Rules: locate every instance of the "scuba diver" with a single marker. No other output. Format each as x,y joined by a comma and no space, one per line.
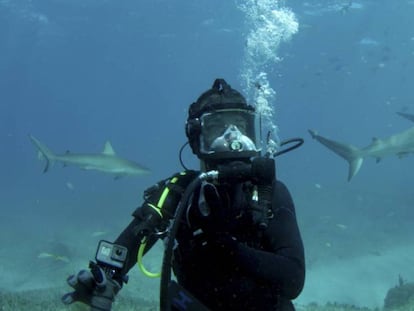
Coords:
230,230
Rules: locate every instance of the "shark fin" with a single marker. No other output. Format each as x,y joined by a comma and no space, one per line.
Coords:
354,166
350,153
108,150
406,115
64,164
40,155
402,154
47,154
313,133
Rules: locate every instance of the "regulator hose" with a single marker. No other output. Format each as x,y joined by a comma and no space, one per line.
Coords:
165,304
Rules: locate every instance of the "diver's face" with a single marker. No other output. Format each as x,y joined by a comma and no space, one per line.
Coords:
214,127
229,133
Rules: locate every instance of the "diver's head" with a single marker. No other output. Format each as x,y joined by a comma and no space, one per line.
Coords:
221,126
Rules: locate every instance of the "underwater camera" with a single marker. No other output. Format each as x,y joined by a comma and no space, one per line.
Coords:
111,254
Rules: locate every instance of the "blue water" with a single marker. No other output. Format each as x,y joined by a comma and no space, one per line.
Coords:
77,73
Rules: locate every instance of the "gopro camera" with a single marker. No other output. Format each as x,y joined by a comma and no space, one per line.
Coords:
111,254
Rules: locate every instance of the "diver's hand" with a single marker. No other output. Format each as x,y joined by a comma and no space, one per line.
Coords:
92,287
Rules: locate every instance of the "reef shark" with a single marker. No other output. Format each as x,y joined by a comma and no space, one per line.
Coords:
400,144
107,161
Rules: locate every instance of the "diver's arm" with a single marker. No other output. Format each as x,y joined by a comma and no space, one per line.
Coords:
282,261
152,218
131,238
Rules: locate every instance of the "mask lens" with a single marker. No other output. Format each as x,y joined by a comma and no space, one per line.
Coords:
231,130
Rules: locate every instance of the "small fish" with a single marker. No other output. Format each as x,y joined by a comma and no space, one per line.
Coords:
98,233
70,186
341,226
44,255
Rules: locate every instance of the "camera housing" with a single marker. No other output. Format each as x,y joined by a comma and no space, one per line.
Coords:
110,254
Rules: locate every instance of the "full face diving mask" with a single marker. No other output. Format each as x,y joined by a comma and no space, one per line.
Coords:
229,133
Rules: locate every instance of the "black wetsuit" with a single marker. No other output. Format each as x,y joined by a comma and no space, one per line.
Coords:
222,257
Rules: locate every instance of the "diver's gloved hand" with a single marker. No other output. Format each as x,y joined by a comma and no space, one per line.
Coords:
92,287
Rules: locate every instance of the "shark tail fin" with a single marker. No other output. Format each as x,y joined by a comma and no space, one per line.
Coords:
408,116
45,152
354,166
351,154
